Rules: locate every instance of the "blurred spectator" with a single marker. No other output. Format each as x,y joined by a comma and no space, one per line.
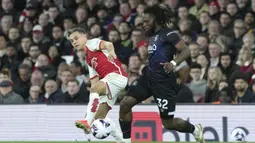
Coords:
39,39
214,52
34,95
198,8
243,93
43,64
227,66
226,24
184,95
54,57
194,52
33,53
54,14
75,67
37,78
22,83
59,40
245,59
203,61
66,75
197,85
5,74
214,10
225,96
134,64
223,4
73,94
6,23
7,95
223,84
53,94
46,25
7,8
214,78
24,50
203,42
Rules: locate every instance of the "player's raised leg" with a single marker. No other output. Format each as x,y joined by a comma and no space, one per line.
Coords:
165,96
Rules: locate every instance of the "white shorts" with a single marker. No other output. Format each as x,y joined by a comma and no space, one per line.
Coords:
115,84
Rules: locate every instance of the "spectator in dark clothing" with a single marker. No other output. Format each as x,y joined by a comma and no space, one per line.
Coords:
73,94
39,38
183,13
24,48
14,37
225,95
54,56
43,64
122,52
22,83
239,31
228,67
7,8
46,25
185,95
243,93
34,95
55,16
226,24
53,94
7,95
214,10
63,45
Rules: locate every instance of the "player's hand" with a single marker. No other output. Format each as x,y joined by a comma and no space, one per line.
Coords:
111,57
168,66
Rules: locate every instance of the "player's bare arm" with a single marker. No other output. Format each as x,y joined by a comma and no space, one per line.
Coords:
105,45
184,53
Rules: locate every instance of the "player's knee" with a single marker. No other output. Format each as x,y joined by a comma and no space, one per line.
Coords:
98,88
125,106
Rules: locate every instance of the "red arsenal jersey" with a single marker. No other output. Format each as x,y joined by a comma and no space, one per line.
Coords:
97,60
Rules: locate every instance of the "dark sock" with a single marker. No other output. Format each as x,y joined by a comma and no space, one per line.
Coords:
125,128
190,127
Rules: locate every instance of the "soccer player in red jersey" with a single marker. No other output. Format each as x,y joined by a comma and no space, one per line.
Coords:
107,78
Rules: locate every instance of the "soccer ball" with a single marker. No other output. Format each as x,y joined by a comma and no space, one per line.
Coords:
100,128
238,135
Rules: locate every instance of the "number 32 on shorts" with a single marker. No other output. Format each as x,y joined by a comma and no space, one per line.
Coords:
162,103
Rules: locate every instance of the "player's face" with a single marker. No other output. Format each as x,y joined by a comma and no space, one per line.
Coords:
148,23
78,40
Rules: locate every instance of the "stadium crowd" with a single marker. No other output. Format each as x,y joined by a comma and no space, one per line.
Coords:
39,65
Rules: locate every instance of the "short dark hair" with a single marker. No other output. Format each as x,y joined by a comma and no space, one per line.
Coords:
76,63
195,66
76,29
25,67
74,80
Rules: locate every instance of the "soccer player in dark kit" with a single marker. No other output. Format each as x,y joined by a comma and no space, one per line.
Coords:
158,78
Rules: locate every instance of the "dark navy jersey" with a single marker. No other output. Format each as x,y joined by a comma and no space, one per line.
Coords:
161,49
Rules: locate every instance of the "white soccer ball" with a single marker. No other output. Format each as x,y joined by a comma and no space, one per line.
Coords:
238,135
100,128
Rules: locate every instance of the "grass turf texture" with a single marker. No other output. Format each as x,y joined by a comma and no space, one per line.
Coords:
107,142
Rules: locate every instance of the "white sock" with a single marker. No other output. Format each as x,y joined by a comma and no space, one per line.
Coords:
92,107
196,131
115,131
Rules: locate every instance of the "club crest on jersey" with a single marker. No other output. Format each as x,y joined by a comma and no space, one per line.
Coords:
94,62
135,83
152,48
156,38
